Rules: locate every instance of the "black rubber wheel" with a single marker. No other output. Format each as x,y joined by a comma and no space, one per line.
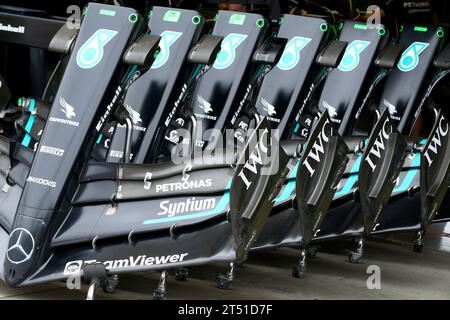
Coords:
108,287
417,248
355,241
159,295
311,253
298,272
353,258
223,283
181,276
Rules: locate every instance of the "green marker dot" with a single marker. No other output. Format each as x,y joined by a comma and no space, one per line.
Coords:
382,31
324,27
260,23
132,18
440,33
196,20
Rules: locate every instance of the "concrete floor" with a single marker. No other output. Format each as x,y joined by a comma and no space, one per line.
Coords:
267,275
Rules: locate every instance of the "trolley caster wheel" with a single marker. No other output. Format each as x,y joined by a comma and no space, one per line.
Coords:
354,257
312,252
355,241
181,274
223,282
94,273
109,285
417,248
298,272
159,294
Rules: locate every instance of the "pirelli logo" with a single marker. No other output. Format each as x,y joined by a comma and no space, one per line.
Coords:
53,151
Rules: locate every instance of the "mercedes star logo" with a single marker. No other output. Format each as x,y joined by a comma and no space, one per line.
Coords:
21,246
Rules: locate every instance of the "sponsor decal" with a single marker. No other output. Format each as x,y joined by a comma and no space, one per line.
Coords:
227,54
180,122
75,267
67,109
410,57
147,180
91,52
69,112
42,182
53,151
318,150
116,154
392,109
186,174
21,246
291,54
331,110
255,158
173,137
379,145
9,28
172,16
351,58
270,110
175,106
168,38
171,209
185,185
137,128
237,113
136,118
436,141
105,116
204,105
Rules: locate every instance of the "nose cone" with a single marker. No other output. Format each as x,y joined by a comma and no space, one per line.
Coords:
23,247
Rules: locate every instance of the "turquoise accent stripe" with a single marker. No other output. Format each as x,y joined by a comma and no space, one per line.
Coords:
352,179
197,69
290,186
100,138
409,178
133,69
32,104
348,186
221,206
410,175
27,139
356,165
297,127
30,123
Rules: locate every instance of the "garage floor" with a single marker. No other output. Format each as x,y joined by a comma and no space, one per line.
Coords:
267,275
